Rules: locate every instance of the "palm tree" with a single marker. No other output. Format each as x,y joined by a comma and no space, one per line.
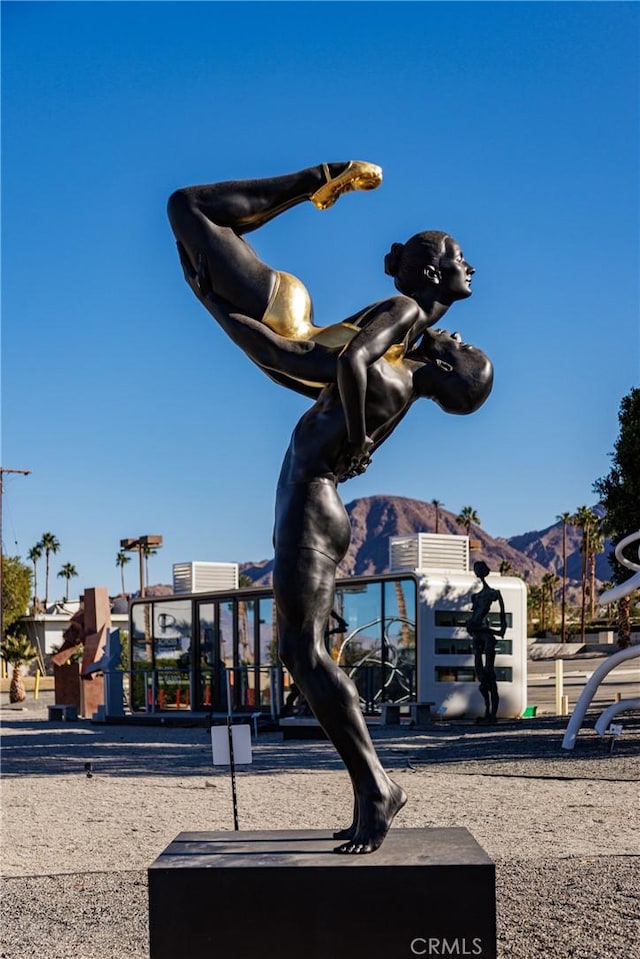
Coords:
437,504
565,518
121,560
596,544
505,567
17,651
608,585
49,544
534,605
34,555
549,581
584,519
466,517
147,551
67,572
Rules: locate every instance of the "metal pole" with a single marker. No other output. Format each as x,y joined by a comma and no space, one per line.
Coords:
559,683
232,765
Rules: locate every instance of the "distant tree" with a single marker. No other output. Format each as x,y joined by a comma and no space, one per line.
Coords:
67,572
17,651
583,520
565,519
147,551
34,554
619,493
121,560
505,567
549,582
534,605
596,544
244,581
437,505
16,590
466,517
608,585
49,544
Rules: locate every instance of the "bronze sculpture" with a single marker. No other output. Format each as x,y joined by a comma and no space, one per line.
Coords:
269,306
484,640
364,374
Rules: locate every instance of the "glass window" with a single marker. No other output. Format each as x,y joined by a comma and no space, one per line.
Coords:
268,646
456,646
361,607
455,674
504,674
225,632
246,632
466,674
400,639
458,618
141,622
206,634
172,634
247,653
361,651
448,646
206,630
268,632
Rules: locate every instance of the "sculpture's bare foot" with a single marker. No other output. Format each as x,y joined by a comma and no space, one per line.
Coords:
374,819
356,175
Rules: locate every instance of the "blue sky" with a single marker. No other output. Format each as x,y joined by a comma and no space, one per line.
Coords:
513,126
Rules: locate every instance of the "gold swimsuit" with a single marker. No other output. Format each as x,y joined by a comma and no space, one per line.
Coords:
290,314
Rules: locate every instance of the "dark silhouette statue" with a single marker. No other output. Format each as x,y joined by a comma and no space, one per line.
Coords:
484,640
363,374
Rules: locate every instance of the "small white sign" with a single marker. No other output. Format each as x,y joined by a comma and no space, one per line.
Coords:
615,729
241,738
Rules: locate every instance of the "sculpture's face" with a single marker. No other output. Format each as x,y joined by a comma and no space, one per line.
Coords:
463,374
454,271
447,350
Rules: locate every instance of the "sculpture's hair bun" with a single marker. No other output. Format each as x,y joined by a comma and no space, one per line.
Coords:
392,259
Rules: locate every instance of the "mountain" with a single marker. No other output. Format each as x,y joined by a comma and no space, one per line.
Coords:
545,547
374,519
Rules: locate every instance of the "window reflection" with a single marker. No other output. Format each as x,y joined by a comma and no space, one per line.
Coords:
187,652
378,646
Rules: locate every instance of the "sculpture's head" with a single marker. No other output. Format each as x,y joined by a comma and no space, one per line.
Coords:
430,262
481,569
458,376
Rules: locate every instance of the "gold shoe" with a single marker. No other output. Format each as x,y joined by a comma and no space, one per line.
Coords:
357,175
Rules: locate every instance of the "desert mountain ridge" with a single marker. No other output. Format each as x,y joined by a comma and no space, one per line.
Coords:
374,519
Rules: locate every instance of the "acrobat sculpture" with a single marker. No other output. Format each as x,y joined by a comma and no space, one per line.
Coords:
363,375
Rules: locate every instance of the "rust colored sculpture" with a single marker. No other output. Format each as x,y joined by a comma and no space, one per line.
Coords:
87,630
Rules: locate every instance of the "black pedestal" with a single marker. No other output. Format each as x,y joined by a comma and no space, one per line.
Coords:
286,895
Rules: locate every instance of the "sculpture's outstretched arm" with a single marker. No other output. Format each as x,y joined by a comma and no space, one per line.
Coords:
388,325
503,615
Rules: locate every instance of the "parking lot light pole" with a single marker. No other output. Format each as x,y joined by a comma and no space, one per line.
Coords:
139,546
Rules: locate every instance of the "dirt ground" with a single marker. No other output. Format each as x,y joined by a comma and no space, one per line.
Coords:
562,827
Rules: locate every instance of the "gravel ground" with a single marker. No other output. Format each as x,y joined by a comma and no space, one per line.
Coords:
563,828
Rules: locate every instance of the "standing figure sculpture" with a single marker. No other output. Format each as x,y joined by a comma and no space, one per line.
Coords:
364,374
484,640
